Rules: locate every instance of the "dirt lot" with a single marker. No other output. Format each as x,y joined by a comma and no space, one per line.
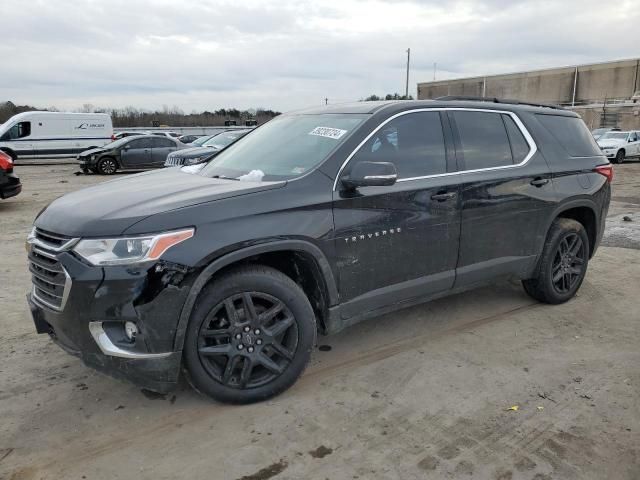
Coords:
423,393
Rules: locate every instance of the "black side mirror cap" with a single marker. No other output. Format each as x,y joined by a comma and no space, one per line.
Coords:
371,174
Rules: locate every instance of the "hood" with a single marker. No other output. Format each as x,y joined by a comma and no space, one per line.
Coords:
111,207
611,142
93,151
194,152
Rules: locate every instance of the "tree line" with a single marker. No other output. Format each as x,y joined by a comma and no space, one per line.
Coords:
172,116
388,96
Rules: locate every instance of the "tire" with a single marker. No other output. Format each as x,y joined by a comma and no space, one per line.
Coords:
107,166
563,264
620,156
236,360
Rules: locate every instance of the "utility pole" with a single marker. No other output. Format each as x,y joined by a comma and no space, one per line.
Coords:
406,89
435,66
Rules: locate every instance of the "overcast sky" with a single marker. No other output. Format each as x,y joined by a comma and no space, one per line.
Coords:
204,55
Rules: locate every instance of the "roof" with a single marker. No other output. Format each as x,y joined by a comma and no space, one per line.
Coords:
400,105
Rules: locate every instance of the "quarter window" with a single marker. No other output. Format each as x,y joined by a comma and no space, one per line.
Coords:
414,143
572,134
519,146
483,140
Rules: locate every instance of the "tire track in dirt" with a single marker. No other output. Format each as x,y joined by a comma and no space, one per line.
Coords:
310,378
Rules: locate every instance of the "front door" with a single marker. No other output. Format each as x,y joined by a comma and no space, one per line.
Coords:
136,153
161,148
399,242
506,196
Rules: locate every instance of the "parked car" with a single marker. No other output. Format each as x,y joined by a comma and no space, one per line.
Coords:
130,153
119,135
316,221
53,134
598,132
208,150
619,145
186,139
172,135
10,185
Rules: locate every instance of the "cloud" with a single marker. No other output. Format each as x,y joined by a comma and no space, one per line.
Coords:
286,54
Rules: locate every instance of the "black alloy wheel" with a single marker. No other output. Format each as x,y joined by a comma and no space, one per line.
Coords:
107,166
247,340
249,336
620,156
568,263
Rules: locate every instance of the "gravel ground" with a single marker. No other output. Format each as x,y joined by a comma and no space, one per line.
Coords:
422,393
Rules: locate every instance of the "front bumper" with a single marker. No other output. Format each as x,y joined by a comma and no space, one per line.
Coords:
90,324
10,185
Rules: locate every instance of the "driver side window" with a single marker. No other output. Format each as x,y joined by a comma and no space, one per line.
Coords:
414,143
19,130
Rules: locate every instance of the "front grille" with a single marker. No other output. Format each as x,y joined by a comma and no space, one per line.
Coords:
51,283
174,161
51,240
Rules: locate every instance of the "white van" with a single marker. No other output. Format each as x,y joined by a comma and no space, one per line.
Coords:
54,134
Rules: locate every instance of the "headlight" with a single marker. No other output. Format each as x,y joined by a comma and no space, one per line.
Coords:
194,160
120,251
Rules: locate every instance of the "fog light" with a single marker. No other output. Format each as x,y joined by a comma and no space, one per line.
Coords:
130,330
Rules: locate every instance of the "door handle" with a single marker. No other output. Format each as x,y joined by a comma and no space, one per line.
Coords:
443,197
539,182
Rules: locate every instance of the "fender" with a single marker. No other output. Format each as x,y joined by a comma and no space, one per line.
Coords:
237,255
579,202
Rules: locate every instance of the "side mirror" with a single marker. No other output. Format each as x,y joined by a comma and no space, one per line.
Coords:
371,174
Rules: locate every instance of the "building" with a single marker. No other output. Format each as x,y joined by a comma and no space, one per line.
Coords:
604,94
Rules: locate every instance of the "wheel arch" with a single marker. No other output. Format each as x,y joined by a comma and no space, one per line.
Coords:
583,211
302,261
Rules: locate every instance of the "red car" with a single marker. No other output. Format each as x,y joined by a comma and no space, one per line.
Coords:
10,185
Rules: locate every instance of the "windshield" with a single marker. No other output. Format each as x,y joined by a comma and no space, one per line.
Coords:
198,142
284,148
614,136
119,142
224,139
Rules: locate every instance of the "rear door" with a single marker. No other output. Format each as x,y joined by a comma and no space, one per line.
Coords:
506,194
137,153
634,144
161,147
399,242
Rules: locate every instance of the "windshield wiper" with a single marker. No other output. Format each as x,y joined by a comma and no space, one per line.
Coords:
223,177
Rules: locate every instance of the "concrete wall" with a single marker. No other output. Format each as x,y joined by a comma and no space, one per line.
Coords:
614,81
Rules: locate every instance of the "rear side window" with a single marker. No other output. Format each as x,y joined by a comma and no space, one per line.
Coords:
572,134
483,140
519,146
141,143
162,143
414,143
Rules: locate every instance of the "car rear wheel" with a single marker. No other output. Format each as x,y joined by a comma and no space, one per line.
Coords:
107,166
563,264
250,336
620,156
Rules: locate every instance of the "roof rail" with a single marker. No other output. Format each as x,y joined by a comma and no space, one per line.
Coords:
497,100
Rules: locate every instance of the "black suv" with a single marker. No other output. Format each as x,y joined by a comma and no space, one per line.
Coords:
317,220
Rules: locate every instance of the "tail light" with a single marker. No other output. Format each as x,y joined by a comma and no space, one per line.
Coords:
113,137
606,170
6,162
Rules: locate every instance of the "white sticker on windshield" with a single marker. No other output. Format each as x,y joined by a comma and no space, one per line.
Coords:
328,132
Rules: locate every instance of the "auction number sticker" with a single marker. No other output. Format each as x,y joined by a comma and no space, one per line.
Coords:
328,132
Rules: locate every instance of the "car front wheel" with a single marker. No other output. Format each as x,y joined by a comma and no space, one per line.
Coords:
620,156
107,166
250,336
